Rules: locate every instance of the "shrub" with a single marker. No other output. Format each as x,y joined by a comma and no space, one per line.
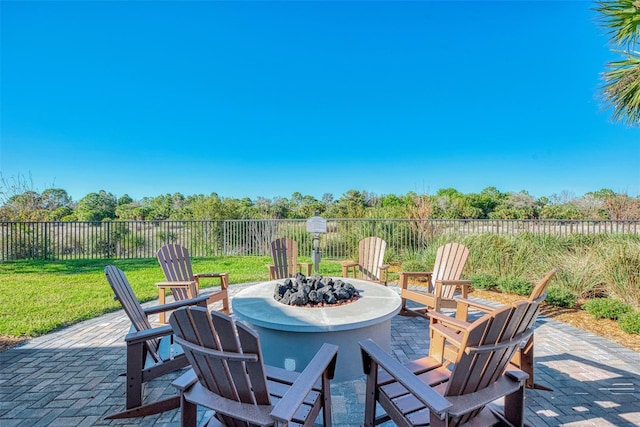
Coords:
484,281
515,285
630,322
606,308
558,296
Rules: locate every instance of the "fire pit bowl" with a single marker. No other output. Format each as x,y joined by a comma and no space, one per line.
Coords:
291,335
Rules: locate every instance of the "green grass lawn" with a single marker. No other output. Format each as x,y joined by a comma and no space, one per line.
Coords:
37,297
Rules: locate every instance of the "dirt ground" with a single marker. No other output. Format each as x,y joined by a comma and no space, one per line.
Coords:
579,318
8,342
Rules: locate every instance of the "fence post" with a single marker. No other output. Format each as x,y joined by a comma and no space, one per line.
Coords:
46,240
108,239
224,237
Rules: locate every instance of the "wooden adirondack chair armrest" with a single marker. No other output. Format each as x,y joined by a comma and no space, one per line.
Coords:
347,266
516,373
248,412
446,339
463,305
419,389
405,275
323,361
224,279
475,304
139,337
417,273
463,285
448,321
177,284
448,333
209,275
199,300
465,403
185,380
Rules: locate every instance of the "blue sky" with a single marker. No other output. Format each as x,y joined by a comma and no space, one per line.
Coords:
250,99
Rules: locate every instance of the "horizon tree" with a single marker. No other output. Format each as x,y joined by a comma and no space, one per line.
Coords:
97,206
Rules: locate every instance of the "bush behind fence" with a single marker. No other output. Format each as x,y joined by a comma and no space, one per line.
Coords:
252,237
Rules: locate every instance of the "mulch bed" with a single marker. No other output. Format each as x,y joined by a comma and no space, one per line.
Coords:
578,318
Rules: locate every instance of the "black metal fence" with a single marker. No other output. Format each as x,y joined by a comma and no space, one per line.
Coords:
141,239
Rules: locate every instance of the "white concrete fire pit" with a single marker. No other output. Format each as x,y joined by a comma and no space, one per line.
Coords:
290,335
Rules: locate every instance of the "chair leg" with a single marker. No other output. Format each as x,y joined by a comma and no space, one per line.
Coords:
523,359
404,282
162,296
224,284
326,404
148,409
135,365
188,412
514,407
370,394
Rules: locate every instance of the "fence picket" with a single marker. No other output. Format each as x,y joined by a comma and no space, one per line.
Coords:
252,237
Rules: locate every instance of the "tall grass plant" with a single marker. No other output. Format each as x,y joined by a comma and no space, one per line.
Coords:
589,266
620,266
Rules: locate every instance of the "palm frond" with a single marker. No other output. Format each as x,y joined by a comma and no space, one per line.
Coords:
622,18
621,90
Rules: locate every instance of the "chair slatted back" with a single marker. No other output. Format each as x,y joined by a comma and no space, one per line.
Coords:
131,306
225,356
284,252
539,292
450,261
176,265
371,252
488,346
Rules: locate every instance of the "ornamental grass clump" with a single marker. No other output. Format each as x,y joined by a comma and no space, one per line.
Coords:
580,272
621,269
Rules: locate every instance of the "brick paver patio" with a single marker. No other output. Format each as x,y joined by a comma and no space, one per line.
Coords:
72,377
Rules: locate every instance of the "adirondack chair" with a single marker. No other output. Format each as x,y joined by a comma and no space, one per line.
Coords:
370,261
284,252
443,282
438,391
229,377
150,350
176,265
523,358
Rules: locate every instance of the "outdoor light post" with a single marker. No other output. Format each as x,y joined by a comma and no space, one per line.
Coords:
316,225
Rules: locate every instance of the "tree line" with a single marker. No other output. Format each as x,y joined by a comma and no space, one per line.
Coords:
19,202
